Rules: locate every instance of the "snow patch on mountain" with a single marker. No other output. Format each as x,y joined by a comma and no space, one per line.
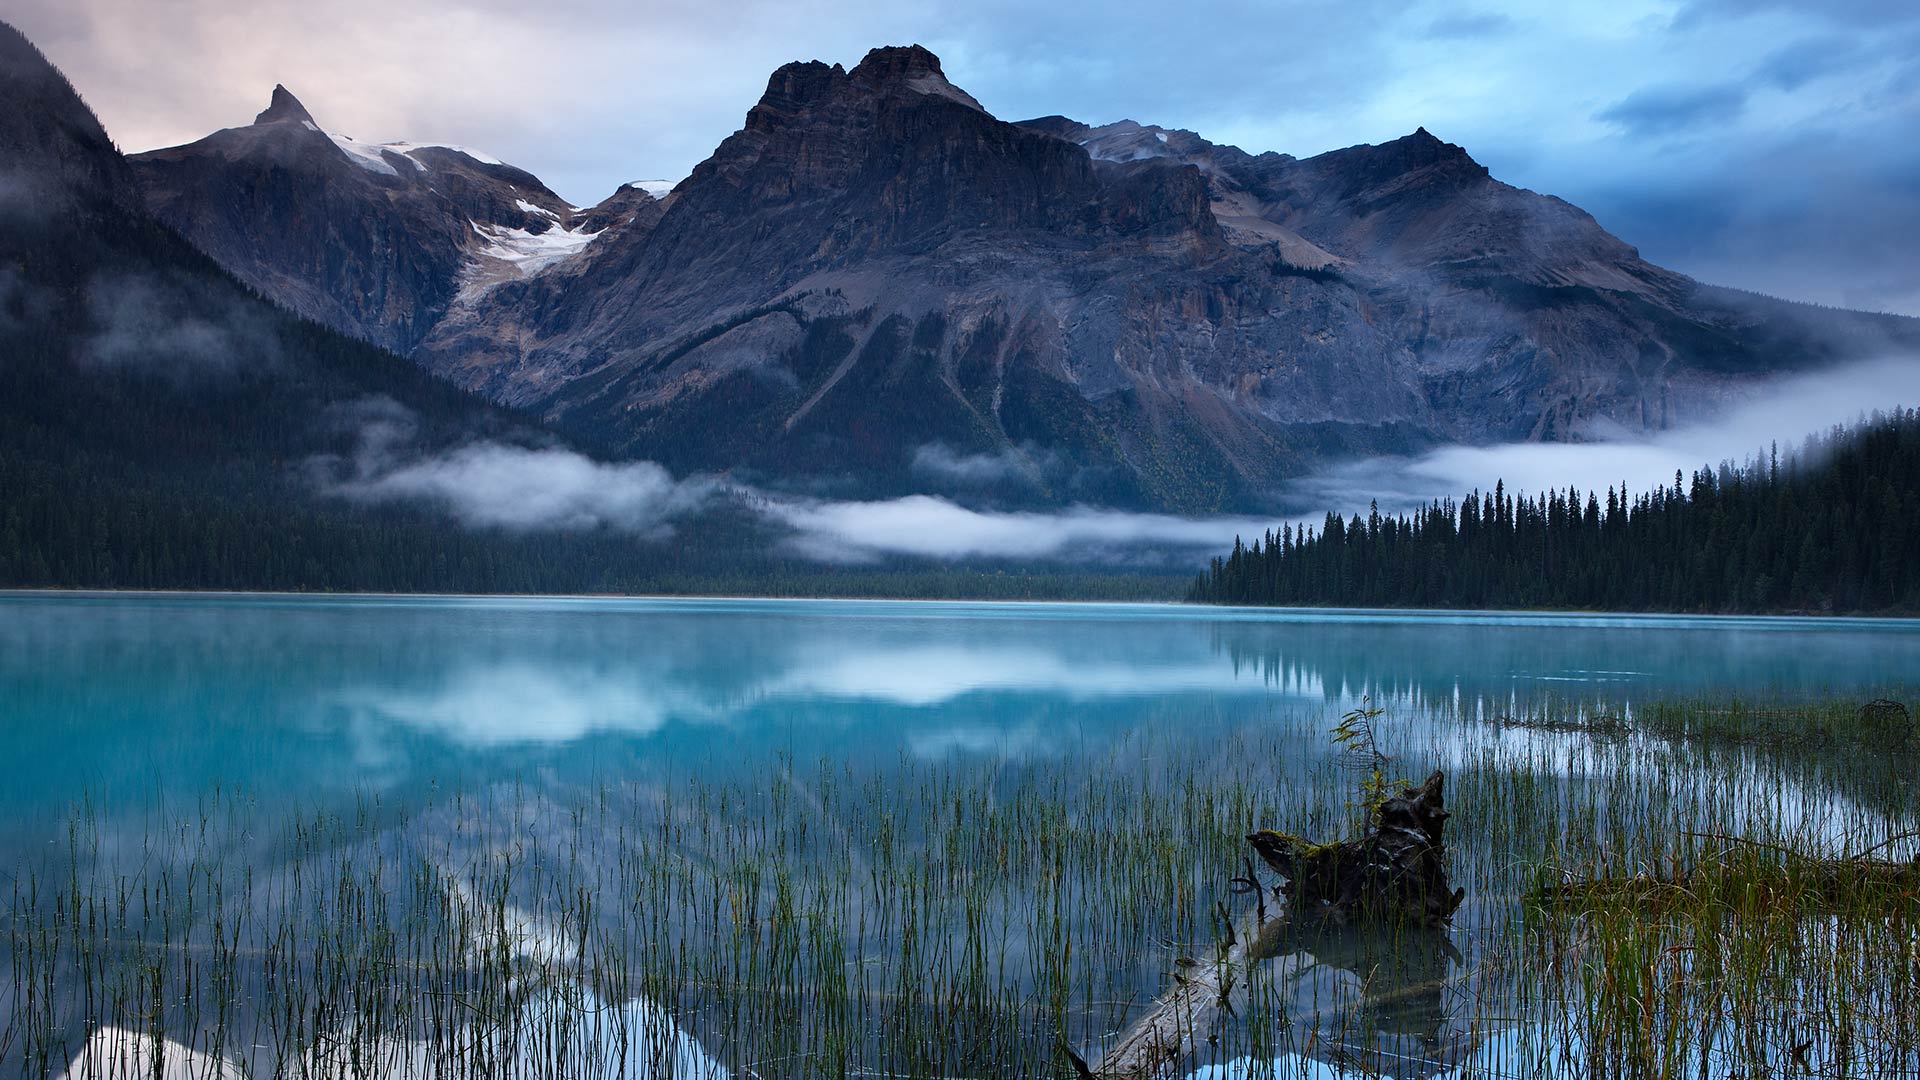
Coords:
374,157
369,156
532,252
511,253
659,189
529,208
477,155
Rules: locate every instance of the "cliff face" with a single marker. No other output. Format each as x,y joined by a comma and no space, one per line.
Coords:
876,287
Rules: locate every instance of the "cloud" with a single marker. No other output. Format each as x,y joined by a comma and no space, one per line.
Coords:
182,329
491,485
1785,413
935,528
380,426
1024,465
498,485
1800,62
1869,14
1829,225
524,489
1668,110
516,488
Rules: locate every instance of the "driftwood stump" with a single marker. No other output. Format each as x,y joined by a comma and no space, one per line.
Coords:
1395,873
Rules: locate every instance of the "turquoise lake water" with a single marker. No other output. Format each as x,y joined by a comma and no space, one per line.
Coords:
139,715
122,698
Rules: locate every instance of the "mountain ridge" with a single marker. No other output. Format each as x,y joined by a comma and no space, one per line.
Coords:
378,240
874,269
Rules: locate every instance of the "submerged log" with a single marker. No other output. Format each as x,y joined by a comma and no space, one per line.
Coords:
1370,998
1395,873
1168,1032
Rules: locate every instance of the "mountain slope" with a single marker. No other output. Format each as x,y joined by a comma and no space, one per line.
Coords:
375,240
163,426
873,273
876,287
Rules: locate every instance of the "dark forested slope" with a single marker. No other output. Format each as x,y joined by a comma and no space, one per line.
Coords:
1832,526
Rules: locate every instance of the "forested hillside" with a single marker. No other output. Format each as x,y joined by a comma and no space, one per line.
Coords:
1830,526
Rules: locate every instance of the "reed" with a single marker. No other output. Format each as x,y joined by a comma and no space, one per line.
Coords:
1661,891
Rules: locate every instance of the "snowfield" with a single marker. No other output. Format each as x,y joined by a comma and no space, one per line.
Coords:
512,253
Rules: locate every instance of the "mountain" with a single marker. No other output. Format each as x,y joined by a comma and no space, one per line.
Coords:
377,240
876,287
161,425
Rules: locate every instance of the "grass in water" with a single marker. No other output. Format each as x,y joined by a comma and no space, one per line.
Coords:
1687,889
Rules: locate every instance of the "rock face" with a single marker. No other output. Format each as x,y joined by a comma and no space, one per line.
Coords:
877,287
376,240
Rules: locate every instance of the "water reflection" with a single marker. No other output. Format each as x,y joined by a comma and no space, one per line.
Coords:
878,748
1370,999
139,695
565,1032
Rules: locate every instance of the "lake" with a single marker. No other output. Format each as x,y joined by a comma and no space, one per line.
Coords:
415,731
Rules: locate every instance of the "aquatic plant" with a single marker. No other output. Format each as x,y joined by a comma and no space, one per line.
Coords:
985,916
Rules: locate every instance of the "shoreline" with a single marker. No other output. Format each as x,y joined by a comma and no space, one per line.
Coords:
1544,616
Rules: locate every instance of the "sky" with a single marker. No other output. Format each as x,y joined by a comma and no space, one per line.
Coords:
1764,144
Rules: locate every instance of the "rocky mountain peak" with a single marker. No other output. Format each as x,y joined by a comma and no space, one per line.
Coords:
912,67
1422,149
1419,162
796,86
283,109
898,62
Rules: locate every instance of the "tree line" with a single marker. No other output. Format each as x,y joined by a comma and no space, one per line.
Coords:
1830,526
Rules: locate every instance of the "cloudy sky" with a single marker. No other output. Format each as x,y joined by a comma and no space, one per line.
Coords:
1763,143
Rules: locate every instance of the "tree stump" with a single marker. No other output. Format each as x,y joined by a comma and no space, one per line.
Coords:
1395,873
1393,876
